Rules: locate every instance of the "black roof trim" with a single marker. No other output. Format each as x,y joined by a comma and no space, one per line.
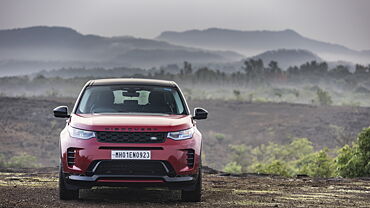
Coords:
132,81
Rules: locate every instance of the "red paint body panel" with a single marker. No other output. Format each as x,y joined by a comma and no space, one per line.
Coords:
173,151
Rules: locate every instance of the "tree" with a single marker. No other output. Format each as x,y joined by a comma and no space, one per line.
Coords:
187,68
318,164
323,97
354,161
360,69
254,69
237,95
274,69
340,71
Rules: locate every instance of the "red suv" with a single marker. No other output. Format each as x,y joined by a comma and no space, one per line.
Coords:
130,132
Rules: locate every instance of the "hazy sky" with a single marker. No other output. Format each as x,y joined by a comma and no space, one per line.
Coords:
346,22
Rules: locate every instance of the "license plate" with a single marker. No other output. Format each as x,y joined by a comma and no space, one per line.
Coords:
131,155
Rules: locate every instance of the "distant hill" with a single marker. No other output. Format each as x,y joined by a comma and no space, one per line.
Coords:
27,50
288,57
253,42
367,52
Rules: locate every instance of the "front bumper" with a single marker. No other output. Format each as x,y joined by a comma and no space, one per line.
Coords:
131,178
86,152
172,154
87,182
105,171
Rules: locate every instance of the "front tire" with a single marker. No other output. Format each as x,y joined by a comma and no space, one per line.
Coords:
193,195
66,193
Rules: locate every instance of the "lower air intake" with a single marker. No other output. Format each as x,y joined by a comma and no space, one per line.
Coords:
137,167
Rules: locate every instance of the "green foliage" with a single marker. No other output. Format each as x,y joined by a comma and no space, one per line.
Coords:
241,156
23,160
300,147
297,157
274,167
323,97
237,95
219,137
233,167
355,161
277,92
292,151
318,164
349,162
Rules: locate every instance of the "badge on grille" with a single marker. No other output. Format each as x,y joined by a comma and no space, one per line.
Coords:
153,138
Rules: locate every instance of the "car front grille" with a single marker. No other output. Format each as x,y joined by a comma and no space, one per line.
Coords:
130,137
129,167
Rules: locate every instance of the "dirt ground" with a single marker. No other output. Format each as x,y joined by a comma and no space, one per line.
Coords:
38,188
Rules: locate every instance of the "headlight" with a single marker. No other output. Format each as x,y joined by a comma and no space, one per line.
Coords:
80,134
181,135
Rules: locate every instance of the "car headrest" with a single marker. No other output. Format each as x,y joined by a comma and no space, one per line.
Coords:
105,98
157,98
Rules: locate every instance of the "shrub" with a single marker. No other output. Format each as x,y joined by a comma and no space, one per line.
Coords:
349,162
241,155
355,161
297,157
220,137
300,147
318,164
233,167
274,167
237,95
293,151
22,161
323,97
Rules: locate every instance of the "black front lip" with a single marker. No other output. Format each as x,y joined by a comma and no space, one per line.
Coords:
95,178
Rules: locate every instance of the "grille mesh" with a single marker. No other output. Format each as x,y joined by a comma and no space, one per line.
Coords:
130,137
122,167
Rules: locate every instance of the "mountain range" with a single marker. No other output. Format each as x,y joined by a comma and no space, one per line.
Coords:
288,57
250,43
32,49
35,48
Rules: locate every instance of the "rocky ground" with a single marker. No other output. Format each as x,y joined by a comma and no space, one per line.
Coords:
38,188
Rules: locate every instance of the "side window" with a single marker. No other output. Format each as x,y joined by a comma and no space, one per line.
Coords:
84,105
179,106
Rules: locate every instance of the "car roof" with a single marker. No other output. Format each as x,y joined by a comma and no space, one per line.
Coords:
131,81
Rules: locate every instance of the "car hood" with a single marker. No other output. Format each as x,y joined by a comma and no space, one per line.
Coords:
136,123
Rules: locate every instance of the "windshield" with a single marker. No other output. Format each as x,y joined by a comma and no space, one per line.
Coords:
131,99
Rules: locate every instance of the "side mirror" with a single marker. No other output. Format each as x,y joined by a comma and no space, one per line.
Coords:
61,112
200,113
